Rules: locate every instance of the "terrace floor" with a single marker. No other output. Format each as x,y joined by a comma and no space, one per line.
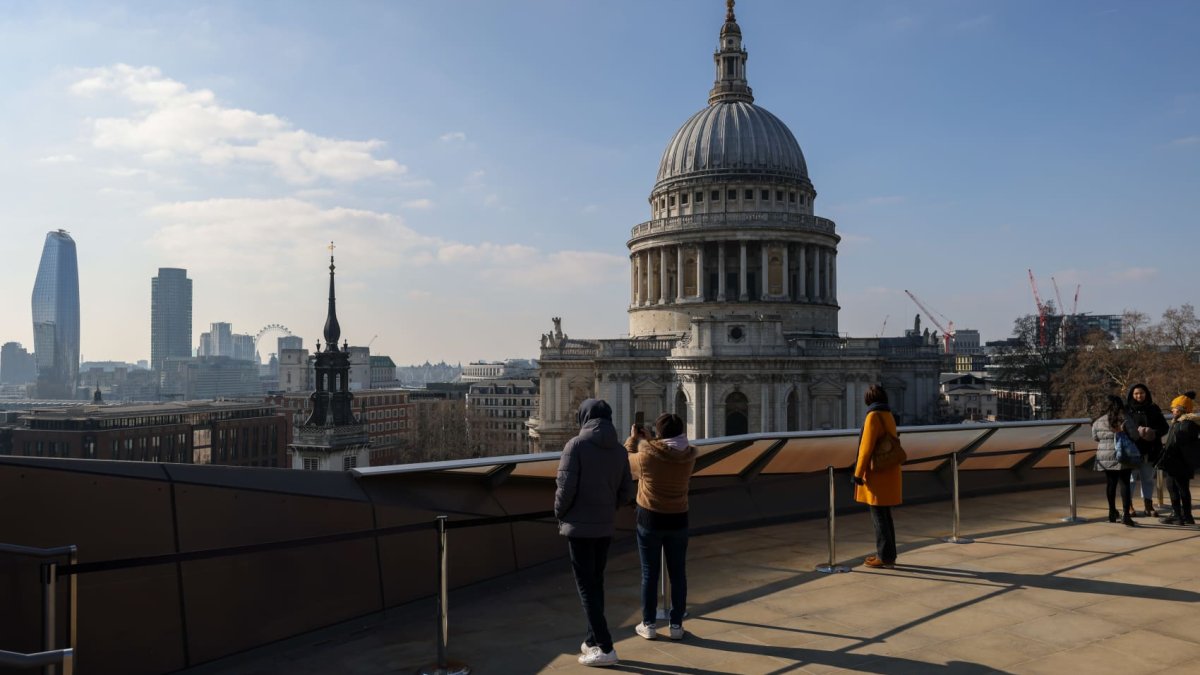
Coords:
1031,595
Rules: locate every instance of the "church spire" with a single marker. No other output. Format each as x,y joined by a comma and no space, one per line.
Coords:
730,59
332,330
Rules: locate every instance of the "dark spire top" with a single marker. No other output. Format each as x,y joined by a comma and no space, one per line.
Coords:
730,85
332,330
97,397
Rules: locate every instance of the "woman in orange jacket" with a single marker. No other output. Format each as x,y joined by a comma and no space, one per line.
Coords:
879,490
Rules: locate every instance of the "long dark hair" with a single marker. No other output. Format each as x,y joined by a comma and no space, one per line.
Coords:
1114,410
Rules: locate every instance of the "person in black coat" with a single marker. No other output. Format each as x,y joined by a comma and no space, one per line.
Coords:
1180,457
1145,424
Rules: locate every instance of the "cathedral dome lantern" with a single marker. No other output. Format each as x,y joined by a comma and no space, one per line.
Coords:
732,227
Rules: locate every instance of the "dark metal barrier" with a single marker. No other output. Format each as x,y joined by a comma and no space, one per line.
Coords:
50,658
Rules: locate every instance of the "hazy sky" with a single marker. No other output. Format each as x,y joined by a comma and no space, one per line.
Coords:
480,163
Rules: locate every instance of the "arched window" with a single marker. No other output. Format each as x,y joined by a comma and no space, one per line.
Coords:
775,275
793,411
737,414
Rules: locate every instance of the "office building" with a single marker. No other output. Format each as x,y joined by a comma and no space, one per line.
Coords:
170,315
56,318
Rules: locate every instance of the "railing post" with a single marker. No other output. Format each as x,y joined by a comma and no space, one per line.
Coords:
954,538
664,608
443,665
49,605
832,567
68,665
1158,481
1074,517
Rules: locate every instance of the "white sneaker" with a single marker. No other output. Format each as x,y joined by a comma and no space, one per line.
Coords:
599,658
676,631
585,649
647,630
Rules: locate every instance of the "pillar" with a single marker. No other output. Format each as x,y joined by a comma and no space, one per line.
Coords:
802,273
679,273
787,273
742,290
700,294
721,271
662,274
763,278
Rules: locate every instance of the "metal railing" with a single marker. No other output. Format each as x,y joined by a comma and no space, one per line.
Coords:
50,657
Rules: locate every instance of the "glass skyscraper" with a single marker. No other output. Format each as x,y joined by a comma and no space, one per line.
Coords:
56,318
170,316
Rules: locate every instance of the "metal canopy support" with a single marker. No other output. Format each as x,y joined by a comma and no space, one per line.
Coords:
954,538
1074,517
832,567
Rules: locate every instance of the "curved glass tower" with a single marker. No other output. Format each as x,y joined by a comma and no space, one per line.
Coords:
56,318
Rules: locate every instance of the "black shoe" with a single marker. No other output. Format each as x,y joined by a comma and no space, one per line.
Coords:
1127,521
1171,520
1113,515
1188,520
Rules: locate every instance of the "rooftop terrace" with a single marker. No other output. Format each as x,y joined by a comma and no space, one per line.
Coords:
1031,595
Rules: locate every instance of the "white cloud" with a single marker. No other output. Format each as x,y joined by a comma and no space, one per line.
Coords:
273,240
419,204
1136,274
172,121
59,159
453,137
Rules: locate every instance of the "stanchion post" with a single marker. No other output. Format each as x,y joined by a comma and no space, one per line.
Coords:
664,607
954,538
832,567
1158,485
444,666
1074,517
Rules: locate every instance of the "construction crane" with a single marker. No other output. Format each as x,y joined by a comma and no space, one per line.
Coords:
882,327
1058,296
1075,304
947,330
1037,299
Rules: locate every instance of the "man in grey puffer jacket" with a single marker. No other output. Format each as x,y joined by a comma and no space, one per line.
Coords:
593,481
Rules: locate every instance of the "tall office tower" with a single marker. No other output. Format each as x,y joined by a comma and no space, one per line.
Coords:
242,347
56,318
16,364
170,315
218,341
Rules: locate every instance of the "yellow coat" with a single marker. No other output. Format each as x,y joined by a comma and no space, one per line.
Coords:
882,488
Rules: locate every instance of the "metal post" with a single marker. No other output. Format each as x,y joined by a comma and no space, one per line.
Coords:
832,567
954,538
1074,517
444,666
68,665
1159,487
49,605
664,608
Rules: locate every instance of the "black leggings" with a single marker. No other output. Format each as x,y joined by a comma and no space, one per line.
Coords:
1120,478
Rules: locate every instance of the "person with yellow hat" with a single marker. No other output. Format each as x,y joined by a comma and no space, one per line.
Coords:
1180,458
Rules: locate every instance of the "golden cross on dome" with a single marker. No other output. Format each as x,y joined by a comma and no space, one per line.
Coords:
729,10
331,247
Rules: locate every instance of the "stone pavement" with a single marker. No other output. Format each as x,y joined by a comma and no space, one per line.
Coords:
1031,595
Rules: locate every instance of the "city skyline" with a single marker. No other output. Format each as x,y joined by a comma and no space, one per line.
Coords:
489,182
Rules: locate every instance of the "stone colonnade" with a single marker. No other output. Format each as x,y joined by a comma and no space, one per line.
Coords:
794,272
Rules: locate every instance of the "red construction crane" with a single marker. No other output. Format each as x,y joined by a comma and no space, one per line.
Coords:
947,331
1037,299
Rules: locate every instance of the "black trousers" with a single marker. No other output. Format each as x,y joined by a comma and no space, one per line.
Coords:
1180,487
588,558
885,533
1119,478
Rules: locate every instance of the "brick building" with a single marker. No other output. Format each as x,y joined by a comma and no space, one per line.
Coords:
200,432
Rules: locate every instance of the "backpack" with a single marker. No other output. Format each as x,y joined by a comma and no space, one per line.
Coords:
1128,454
887,453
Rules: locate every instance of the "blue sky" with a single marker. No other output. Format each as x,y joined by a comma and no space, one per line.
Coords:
480,164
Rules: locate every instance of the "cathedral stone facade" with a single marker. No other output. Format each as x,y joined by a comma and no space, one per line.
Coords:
733,314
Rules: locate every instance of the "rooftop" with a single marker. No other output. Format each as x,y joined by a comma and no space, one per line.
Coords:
1031,595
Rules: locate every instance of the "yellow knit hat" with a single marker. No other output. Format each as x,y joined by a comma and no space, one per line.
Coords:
1186,402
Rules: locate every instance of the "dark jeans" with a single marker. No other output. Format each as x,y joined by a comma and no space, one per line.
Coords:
1181,495
1121,478
885,533
652,544
588,558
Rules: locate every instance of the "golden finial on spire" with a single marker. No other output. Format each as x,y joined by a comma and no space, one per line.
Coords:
331,247
729,10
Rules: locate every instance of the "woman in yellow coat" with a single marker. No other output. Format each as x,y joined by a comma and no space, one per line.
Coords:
879,490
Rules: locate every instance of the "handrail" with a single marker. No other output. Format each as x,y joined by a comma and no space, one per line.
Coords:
50,657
